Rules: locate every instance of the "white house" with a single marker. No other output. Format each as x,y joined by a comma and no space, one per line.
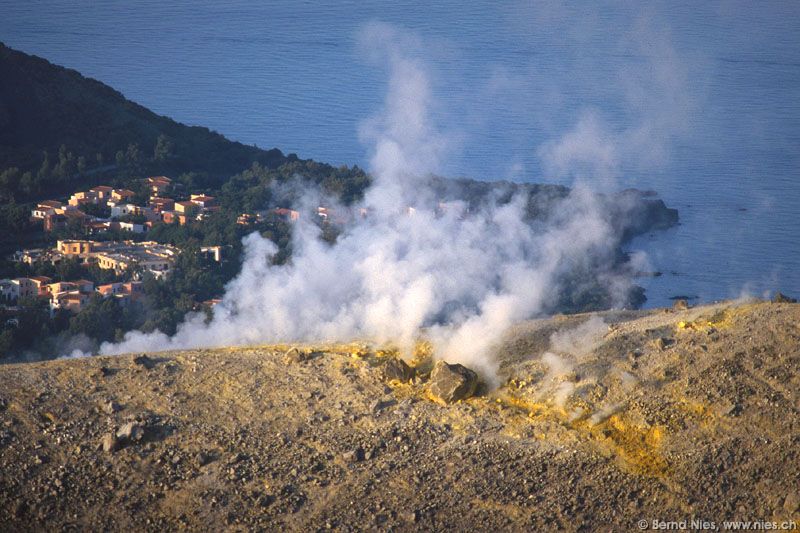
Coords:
40,212
23,288
120,210
47,207
130,226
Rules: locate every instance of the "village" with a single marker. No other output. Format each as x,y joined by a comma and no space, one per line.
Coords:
122,257
107,229
161,208
103,209
121,211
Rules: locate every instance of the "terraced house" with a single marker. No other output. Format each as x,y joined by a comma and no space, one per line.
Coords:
146,256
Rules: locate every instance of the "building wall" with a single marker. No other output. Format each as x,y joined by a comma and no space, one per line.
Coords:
9,290
74,247
25,288
122,210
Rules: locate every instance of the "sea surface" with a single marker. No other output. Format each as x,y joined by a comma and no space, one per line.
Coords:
699,101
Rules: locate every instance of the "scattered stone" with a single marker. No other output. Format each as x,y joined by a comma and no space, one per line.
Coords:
20,509
6,436
354,456
111,407
451,383
634,354
236,458
110,443
725,409
203,458
295,355
102,372
680,305
662,343
144,361
265,500
395,369
792,502
379,405
781,298
130,432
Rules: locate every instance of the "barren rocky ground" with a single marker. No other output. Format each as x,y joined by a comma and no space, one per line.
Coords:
596,422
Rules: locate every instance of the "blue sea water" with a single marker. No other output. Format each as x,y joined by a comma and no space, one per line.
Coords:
697,101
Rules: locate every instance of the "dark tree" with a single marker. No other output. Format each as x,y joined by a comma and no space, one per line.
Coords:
164,148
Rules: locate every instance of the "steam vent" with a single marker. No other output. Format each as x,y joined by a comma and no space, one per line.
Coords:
596,421
375,266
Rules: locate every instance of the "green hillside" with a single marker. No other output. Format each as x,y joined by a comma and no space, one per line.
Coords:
84,126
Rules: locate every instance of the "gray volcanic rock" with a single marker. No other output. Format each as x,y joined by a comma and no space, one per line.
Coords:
110,443
451,383
111,407
680,305
781,298
396,369
130,432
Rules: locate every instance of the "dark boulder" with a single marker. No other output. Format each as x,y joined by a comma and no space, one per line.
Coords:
131,432
111,407
144,361
295,355
396,370
680,305
451,383
781,298
662,343
353,456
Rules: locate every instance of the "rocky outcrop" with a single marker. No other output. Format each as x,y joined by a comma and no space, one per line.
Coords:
451,383
781,298
395,369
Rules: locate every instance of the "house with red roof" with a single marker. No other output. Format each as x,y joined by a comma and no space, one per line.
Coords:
102,193
203,201
159,205
185,208
289,215
122,195
158,184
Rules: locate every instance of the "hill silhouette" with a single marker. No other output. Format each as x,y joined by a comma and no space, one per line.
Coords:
45,106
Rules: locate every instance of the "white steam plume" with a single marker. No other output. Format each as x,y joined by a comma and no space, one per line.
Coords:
458,278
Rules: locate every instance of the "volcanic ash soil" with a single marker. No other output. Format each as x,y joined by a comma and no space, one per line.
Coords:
592,422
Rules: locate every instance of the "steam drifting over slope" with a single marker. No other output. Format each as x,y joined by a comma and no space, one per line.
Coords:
459,276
